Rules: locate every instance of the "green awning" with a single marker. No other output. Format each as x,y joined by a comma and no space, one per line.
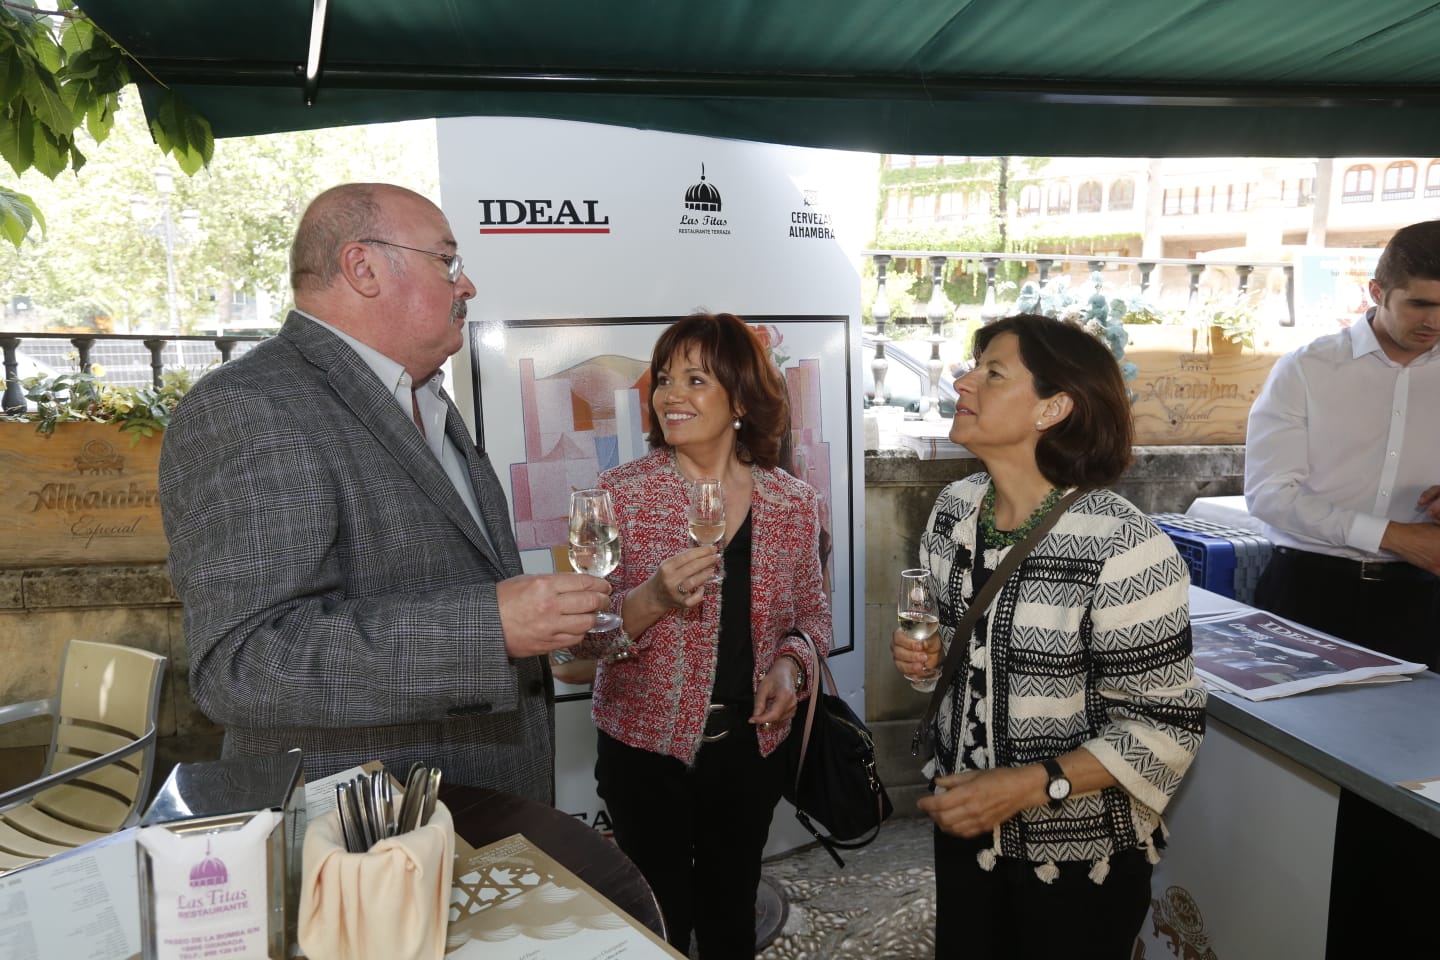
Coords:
984,77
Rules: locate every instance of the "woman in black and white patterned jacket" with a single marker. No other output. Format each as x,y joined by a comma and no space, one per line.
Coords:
1074,716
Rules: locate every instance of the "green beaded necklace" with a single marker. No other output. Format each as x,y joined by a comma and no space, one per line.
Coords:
1008,538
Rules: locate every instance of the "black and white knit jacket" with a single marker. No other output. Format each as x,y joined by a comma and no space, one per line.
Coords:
1087,645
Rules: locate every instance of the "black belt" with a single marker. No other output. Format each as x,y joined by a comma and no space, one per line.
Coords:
1358,569
722,718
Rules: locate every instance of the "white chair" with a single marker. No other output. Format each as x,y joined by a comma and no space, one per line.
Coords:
102,752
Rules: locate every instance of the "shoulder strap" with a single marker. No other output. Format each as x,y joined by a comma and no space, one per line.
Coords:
960,642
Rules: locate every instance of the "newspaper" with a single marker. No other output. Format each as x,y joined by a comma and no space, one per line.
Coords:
511,901
1260,656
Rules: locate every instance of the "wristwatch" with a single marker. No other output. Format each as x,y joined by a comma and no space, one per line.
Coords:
1059,786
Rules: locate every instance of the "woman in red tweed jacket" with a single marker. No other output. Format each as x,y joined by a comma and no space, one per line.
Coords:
690,725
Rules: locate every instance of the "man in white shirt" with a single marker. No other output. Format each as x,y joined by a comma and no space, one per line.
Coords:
1342,462
1342,465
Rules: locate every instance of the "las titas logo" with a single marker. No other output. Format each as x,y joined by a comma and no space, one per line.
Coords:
541,216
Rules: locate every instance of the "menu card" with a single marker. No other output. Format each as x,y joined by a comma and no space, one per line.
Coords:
511,901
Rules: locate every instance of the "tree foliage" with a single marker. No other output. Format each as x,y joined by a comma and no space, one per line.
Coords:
99,265
59,89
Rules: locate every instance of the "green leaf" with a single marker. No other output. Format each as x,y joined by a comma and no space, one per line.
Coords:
52,153
78,35
17,139
17,215
182,132
81,65
46,50
10,73
41,92
100,118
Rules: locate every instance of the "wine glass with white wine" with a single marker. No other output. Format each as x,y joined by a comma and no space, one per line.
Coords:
595,549
706,516
919,619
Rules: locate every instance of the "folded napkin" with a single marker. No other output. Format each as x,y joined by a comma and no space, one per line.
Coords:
390,903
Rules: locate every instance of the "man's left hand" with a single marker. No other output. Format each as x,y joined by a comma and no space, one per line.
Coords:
1430,502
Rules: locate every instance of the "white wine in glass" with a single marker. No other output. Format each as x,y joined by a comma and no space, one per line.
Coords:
706,516
919,619
595,545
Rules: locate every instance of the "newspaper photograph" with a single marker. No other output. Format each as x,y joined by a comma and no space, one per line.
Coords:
1261,656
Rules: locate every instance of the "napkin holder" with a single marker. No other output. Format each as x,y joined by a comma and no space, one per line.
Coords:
219,859
391,902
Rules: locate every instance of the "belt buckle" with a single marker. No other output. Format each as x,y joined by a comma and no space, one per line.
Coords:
1374,569
713,737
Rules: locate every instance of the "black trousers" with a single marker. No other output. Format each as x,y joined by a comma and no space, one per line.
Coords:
1399,617
696,834
1011,913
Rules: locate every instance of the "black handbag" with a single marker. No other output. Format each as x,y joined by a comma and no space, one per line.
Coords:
832,777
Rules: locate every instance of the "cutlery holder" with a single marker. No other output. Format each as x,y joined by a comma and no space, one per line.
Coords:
390,902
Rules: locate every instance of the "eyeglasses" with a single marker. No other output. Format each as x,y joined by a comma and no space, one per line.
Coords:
454,266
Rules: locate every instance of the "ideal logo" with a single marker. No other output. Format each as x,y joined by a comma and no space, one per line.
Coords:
704,199
541,216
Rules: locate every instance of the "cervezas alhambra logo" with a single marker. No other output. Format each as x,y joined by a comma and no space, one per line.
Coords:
99,458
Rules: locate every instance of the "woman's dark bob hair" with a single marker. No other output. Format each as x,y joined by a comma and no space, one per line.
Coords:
734,355
1092,446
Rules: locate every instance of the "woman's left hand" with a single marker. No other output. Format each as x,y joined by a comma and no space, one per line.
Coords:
975,802
775,699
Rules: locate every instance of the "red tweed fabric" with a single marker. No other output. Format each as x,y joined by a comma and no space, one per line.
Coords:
656,700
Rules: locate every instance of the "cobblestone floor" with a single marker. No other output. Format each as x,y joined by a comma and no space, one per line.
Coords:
879,907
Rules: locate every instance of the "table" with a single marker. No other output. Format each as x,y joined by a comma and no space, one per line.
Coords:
483,816
1292,837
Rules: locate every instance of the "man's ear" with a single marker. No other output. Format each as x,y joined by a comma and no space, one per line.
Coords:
358,269
1377,294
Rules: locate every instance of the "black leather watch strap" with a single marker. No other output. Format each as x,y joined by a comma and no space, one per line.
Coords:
1056,774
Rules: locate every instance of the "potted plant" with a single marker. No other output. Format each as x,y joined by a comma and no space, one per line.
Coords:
1231,321
86,398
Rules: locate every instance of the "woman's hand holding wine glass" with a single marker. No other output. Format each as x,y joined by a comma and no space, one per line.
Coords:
706,516
919,621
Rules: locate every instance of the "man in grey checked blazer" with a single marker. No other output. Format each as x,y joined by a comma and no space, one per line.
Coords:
343,551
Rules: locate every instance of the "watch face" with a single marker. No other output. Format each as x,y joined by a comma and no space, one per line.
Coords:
1059,789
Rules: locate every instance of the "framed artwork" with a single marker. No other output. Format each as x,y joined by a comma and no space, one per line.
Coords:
557,402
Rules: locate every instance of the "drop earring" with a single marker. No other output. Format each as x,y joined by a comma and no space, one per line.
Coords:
736,423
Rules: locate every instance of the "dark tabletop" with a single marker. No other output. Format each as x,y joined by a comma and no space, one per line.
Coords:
483,816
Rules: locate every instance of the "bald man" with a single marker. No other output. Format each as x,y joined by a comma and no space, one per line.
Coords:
342,549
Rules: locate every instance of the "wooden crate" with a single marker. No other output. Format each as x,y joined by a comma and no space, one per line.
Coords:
1196,387
79,496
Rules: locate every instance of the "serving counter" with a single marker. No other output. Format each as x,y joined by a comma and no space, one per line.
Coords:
1293,836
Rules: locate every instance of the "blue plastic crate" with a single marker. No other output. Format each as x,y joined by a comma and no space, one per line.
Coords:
1223,560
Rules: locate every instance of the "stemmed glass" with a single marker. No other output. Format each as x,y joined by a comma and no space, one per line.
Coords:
706,515
919,619
595,549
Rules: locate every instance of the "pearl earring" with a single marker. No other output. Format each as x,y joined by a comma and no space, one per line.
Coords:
736,424
1039,424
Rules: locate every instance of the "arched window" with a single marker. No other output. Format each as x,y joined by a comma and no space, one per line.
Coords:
1399,181
1089,197
1122,194
1432,179
1059,199
1029,204
1359,185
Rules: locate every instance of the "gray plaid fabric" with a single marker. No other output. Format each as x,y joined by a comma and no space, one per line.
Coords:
338,595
